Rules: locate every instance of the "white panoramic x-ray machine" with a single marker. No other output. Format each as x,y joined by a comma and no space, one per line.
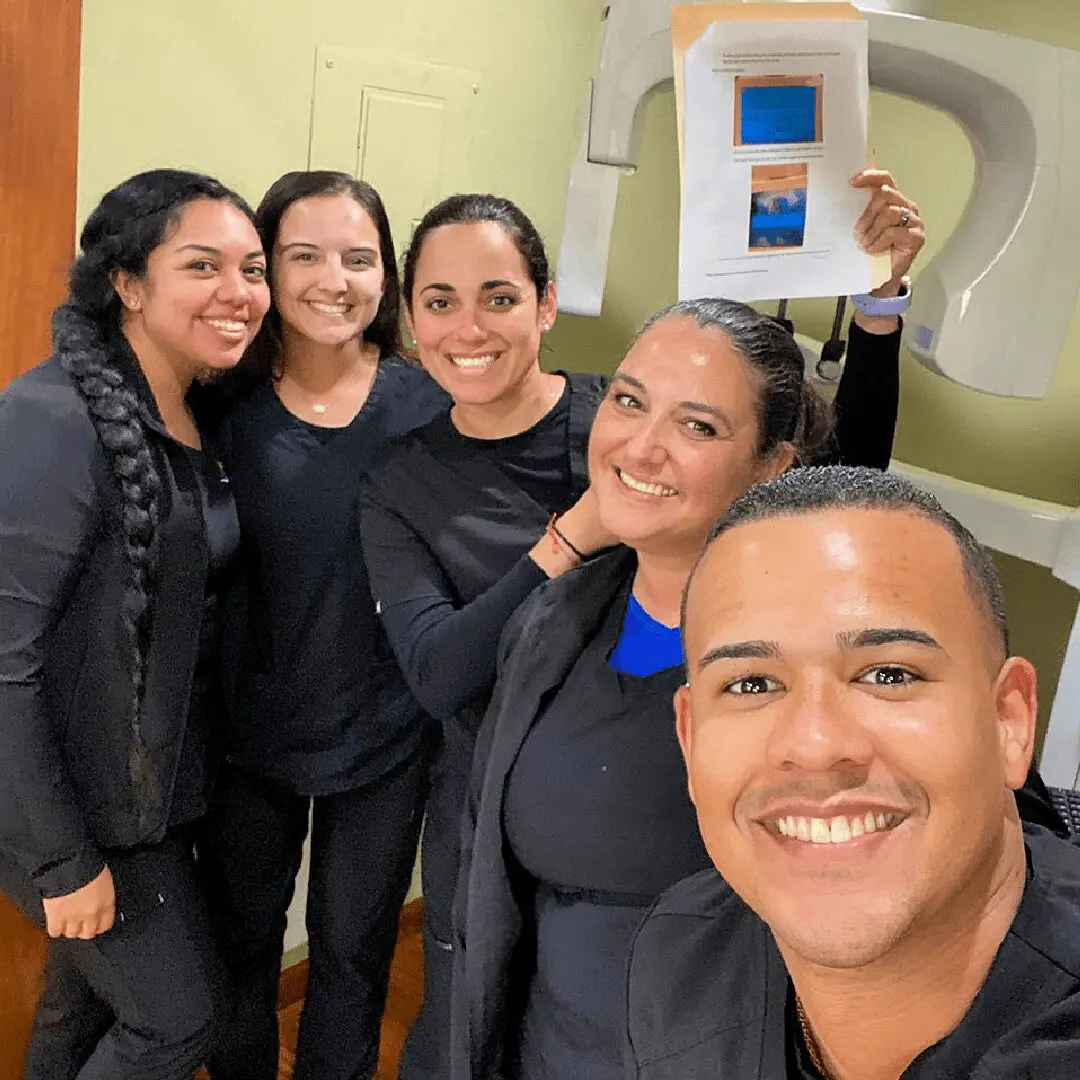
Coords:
992,308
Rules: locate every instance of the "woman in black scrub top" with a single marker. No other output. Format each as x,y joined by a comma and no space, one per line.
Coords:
116,524
456,527
320,720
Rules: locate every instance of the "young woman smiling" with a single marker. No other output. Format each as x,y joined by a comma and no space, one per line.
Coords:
491,499
320,721
116,525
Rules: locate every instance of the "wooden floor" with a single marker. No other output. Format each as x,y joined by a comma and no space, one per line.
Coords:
403,1001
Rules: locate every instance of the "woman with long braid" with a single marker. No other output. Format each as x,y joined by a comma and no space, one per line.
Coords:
115,525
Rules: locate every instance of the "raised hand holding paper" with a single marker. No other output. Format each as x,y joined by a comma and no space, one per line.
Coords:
773,102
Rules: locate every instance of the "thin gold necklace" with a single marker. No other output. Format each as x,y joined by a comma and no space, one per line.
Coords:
810,1042
334,394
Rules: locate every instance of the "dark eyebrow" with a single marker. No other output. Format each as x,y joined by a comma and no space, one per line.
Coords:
851,639
740,650
891,635
206,249
693,406
494,283
367,248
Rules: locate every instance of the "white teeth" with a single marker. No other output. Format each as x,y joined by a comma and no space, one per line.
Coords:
839,830
646,489
835,830
230,326
331,309
474,361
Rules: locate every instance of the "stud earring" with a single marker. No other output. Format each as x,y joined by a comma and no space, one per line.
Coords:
133,303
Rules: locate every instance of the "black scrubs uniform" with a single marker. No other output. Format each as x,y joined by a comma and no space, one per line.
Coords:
597,815
709,996
135,998
447,525
320,721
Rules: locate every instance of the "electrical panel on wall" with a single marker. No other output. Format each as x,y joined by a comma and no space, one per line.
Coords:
402,126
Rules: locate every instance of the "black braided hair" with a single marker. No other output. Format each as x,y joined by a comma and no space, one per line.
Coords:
119,236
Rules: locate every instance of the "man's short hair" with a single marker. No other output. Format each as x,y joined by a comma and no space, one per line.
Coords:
836,487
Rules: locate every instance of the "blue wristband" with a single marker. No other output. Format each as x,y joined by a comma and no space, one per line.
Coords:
884,305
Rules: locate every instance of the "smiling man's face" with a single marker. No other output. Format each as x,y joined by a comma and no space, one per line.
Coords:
852,729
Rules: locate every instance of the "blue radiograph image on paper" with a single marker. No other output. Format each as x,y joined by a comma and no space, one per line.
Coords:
778,219
778,114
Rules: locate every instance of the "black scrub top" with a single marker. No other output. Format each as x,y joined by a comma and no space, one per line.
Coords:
536,459
706,986
209,484
444,579
316,700
597,814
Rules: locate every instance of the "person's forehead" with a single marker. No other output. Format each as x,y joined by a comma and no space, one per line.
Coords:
830,563
680,356
321,211
472,241
710,343
213,223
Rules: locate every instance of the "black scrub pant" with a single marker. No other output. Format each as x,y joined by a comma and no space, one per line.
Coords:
363,847
426,1053
137,1002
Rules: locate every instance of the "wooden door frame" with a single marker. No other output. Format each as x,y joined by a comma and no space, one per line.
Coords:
40,56
40,47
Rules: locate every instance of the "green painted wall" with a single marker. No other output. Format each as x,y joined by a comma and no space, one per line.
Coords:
226,86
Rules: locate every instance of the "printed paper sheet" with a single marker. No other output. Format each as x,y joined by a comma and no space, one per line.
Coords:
773,104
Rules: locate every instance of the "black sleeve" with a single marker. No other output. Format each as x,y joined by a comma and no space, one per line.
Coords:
446,650
867,401
49,514
503,692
